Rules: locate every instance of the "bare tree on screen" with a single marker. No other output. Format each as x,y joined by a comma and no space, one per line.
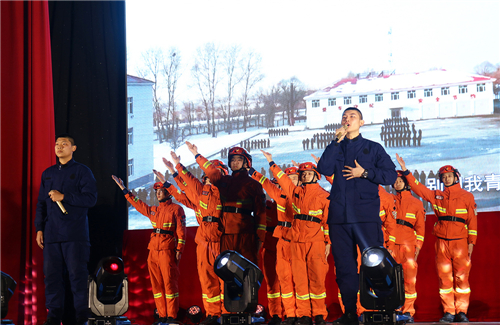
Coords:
171,66
292,93
188,111
152,60
271,101
206,75
251,66
233,78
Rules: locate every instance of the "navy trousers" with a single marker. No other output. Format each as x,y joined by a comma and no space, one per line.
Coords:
59,258
345,238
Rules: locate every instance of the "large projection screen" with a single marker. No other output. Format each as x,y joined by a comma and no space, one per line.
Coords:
278,74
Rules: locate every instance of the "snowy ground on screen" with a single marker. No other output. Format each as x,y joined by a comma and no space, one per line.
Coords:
472,145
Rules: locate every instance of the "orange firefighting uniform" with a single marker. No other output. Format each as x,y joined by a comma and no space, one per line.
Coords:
410,232
455,229
168,218
205,201
283,234
240,196
308,243
268,261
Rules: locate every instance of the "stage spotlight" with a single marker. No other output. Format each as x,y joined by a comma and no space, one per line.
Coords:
108,292
260,311
242,280
8,287
194,314
381,286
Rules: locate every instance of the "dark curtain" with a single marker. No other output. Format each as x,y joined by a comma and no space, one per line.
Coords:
63,71
89,71
27,146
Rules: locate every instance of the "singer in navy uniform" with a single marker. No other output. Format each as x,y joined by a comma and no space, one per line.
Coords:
359,166
64,237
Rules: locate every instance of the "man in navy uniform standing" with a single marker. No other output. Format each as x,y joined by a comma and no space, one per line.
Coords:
68,189
359,166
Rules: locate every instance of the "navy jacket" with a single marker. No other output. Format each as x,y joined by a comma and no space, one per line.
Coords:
356,200
78,185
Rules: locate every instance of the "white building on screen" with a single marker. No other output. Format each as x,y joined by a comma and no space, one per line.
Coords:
140,131
416,96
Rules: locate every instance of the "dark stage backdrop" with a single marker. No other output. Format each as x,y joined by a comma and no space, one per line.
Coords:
82,93
484,302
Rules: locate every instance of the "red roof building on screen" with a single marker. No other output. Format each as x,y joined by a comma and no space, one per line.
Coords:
416,96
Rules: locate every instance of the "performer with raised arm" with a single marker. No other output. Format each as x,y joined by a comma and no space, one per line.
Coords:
359,166
310,243
282,232
409,234
165,248
243,203
207,205
456,232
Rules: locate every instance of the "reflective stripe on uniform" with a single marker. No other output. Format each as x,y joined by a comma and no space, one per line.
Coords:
315,213
213,299
440,209
411,296
206,164
473,232
280,208
297,210
262,179
172,296
219,207
203,205
392,238
153,223
287,295
420,237
304,297
168,224
445,291
157,295
382,213
261,227
320,296
273,295
458,290
182,241
280,174
410,215
461,211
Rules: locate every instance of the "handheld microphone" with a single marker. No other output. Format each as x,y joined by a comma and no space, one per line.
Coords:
61,206
345,126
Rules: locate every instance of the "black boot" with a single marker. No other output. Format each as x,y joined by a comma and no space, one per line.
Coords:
447,318
318,320
304,320
348,318
461,318
275,320
410,318
210,320
289,321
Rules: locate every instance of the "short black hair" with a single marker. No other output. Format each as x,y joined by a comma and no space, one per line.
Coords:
67,136
354,109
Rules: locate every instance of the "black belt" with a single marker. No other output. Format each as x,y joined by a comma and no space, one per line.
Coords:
211,219
307,217
270,228
285,224
237,210
450,218
404,223
163,232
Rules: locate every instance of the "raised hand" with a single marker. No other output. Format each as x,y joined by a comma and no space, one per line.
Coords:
169,165
192,148
316,159
296,164
401,162
176,159
159,175
118,182
268,156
